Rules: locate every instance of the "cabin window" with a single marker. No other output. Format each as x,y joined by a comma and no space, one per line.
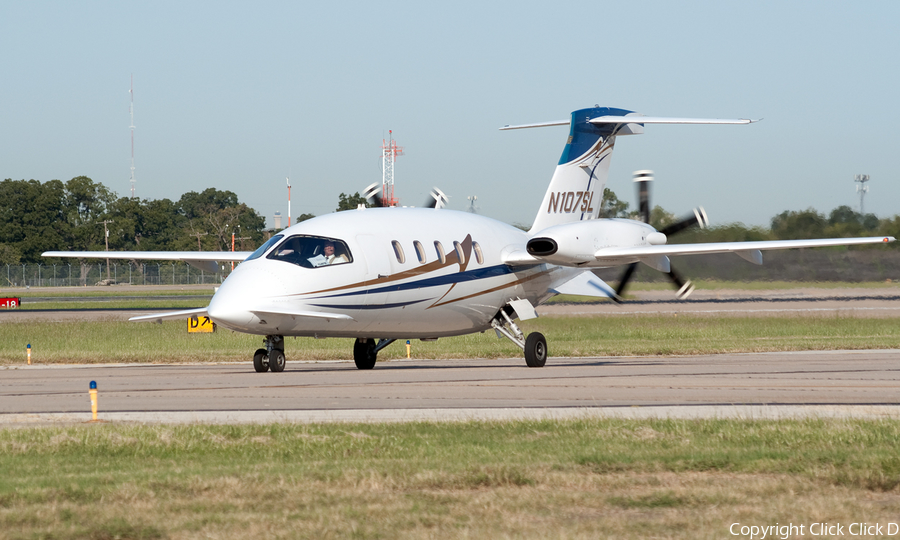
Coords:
439,249
479,256
261,250
398,252
420,251
459,252
312,251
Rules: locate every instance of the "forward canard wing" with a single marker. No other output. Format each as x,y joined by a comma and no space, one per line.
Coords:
171,315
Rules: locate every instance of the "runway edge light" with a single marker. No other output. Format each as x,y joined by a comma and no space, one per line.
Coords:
28,351
93,393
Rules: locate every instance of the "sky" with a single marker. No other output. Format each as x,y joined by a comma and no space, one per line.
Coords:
240,95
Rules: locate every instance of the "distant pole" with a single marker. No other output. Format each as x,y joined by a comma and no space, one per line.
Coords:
198,235
862,189
289,199
106,237
131,111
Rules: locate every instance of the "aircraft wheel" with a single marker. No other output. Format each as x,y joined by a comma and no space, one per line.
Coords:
535,350
364,354
276,361
261,361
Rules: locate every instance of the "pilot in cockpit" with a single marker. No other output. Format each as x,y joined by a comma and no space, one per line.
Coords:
331,257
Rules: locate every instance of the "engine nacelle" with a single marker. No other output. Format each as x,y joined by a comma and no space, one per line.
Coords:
574,244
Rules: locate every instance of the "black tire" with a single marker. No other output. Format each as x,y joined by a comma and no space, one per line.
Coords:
277,361
261,361
535,350
364,354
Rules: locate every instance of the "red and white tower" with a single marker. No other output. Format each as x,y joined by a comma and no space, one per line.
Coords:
389,153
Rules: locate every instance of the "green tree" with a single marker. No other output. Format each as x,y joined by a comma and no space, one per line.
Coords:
351,202
213,215
9,254
32,217
611,206
87,205
794,225
304,217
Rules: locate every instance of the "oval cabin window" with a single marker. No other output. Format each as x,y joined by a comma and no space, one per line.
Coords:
420,251
479,256
459,252
398,251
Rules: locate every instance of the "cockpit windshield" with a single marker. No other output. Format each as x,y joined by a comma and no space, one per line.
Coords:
312,251
261,250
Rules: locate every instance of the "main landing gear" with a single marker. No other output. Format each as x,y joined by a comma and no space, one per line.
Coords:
272,357
535,346
365,351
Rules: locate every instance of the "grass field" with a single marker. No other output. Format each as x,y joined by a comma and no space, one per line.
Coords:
116,341
548,479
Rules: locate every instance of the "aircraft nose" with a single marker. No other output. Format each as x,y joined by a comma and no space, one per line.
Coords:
232,304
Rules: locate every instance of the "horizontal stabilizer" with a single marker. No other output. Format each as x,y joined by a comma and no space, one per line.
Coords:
637,119
186,256
542,124
171,316
586,284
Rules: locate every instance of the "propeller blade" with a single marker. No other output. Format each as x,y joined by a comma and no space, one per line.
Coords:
437,200
623,282
643,179
373,195
685,288
699,218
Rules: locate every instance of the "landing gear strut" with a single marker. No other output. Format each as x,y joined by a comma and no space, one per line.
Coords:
272,357
365,351
534,346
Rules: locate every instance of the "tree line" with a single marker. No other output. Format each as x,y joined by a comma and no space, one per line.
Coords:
75,215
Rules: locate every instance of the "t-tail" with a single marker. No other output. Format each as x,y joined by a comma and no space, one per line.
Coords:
576,189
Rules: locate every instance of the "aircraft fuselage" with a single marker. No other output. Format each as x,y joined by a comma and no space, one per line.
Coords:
404,273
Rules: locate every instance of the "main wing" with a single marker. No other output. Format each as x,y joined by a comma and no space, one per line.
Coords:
657,255
751,251
202,260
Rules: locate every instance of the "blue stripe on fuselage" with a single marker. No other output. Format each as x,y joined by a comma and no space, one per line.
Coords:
370,306
449,279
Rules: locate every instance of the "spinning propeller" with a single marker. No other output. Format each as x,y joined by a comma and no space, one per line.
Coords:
685,287
437,198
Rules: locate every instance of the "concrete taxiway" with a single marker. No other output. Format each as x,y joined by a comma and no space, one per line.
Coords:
769,385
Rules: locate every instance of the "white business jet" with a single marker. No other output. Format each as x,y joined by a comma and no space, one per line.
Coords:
382,274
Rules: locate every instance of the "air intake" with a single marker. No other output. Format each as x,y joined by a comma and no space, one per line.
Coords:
541,247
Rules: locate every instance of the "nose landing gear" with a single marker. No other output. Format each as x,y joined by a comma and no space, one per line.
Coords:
272,357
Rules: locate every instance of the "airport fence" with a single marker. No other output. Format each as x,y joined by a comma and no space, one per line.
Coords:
80,275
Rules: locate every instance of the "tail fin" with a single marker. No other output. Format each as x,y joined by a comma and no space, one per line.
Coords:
576,189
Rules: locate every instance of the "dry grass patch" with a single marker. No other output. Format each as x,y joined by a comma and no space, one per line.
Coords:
571,479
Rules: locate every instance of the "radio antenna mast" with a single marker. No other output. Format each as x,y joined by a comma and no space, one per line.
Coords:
389,153
131,111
